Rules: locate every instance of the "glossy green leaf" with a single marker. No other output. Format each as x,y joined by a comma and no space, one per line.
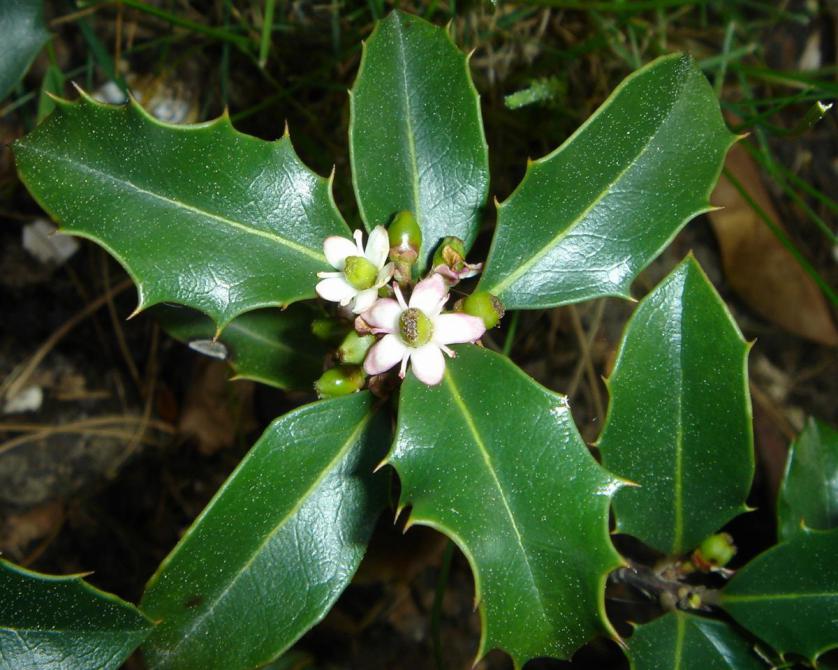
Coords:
270,346
494,461
63,623
788,595
679,641
23,35
416,134
276,546
590,216
679,422
809,490
199,215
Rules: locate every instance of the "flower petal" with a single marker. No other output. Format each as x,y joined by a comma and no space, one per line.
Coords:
429,295
337,249
454,328
384,315
364,300
378,247
428,364
384,275
384,354
336,289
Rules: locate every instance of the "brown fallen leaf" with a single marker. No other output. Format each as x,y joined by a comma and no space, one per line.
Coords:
764,274
216,410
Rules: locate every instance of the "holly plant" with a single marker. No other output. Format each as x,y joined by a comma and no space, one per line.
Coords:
226,236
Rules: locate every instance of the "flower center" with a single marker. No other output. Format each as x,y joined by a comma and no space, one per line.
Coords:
360,272
415,328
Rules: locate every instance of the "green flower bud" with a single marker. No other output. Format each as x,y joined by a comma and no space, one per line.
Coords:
415,328
715,551
486,306
328,330
360,272
451,252
405,238
354,348
339,380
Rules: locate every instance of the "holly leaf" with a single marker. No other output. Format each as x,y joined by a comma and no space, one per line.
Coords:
416,135
24,35
679,641
270,346
679,421
788,595
64,623
494,461
277,544
590,216
199,215
809,490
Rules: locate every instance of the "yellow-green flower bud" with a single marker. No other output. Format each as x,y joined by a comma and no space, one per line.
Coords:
339,380
354,348
360,272
415,328
715,551
451,252
405,238
486,306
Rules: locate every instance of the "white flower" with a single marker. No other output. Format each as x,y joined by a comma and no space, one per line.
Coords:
417,331
361,271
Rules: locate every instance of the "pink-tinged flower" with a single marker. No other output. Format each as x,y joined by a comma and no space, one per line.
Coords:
361,272
417,331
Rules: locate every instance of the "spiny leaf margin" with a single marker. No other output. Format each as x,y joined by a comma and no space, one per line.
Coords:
268,289
431,424
518,279
636,417
461,221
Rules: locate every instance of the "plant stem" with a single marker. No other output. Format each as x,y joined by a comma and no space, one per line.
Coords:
509,340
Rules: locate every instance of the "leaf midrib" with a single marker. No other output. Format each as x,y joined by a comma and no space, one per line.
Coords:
178,204
504,283
350,441
411,140
274,344
678,475
469,420
758,597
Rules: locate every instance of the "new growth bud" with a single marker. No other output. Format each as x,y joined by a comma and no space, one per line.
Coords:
451,252
328,330
405,238
715,551
354,348
486,306
450,261
339,380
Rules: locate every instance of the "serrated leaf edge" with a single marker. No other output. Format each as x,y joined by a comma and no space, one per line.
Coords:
341,453
223,121
393,16
78,579
417,520
804,530
533,165
688,263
